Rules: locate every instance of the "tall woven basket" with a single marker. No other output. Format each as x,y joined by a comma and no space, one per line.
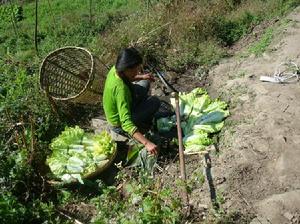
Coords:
73,74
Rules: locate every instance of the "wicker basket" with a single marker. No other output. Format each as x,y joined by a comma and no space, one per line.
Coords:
95,174
73,74
101,169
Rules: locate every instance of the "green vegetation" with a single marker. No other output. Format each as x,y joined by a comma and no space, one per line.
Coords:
260,47
147,202
178,37
202,117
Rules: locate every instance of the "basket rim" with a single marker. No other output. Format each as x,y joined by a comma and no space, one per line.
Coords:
90,73
101,169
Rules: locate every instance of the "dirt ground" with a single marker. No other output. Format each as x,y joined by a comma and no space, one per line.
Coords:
255,167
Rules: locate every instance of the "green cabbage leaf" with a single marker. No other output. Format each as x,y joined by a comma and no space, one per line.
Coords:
76,153
201,117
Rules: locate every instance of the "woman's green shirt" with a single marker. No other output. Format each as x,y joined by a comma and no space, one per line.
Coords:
117,101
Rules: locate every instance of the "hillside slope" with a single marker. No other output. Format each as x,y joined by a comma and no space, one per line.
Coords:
258,170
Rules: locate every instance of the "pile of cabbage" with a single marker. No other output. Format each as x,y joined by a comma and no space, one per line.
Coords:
76,154
201,117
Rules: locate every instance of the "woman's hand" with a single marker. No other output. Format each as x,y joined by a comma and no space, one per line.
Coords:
148,76
151,147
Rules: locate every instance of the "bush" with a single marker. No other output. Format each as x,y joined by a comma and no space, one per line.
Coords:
26,125
11,211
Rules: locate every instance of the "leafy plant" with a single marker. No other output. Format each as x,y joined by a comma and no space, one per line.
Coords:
202,117
143,203
11,211
11,11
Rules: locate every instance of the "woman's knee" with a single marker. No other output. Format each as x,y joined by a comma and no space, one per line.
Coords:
155,102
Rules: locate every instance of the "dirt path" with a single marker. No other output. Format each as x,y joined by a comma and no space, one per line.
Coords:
258,168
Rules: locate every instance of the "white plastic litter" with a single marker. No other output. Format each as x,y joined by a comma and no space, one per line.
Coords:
286,72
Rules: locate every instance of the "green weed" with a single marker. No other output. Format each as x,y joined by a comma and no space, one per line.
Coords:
260,47
240,74
143,203
196,179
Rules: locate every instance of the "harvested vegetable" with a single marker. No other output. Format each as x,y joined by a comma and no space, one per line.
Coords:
201,116
76,153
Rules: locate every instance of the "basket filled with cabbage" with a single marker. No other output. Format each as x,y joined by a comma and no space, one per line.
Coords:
201,117
77,155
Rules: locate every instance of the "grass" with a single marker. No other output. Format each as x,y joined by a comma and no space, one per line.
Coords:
240,74
62,23
260,47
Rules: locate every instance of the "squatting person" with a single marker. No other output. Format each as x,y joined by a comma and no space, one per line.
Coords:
128,107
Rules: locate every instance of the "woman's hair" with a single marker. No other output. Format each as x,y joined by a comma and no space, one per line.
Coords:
128,58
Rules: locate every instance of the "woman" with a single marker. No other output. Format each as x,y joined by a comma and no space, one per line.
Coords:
127,106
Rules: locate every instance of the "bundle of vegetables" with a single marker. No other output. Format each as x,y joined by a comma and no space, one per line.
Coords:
201,116
76,153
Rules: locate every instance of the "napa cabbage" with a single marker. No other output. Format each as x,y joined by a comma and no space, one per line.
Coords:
76,153
201,117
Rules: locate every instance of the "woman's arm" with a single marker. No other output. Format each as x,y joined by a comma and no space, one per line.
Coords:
150,146
147,76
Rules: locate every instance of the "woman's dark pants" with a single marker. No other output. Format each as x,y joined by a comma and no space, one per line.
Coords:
144,106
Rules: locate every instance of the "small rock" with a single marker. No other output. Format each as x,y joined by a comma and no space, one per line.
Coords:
266,56
211,148
201,72
260,220
220,180
202,206
251,76
288,215
244,97
136,200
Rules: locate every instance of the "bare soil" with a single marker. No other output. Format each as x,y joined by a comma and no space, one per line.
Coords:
255,167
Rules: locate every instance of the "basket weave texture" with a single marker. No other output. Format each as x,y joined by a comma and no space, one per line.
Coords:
73,74
103,167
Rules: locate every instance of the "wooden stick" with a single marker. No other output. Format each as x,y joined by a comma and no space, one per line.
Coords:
36,28
146,36
23,133
16,136
196,153
76,221
181,153
13,19
33,141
